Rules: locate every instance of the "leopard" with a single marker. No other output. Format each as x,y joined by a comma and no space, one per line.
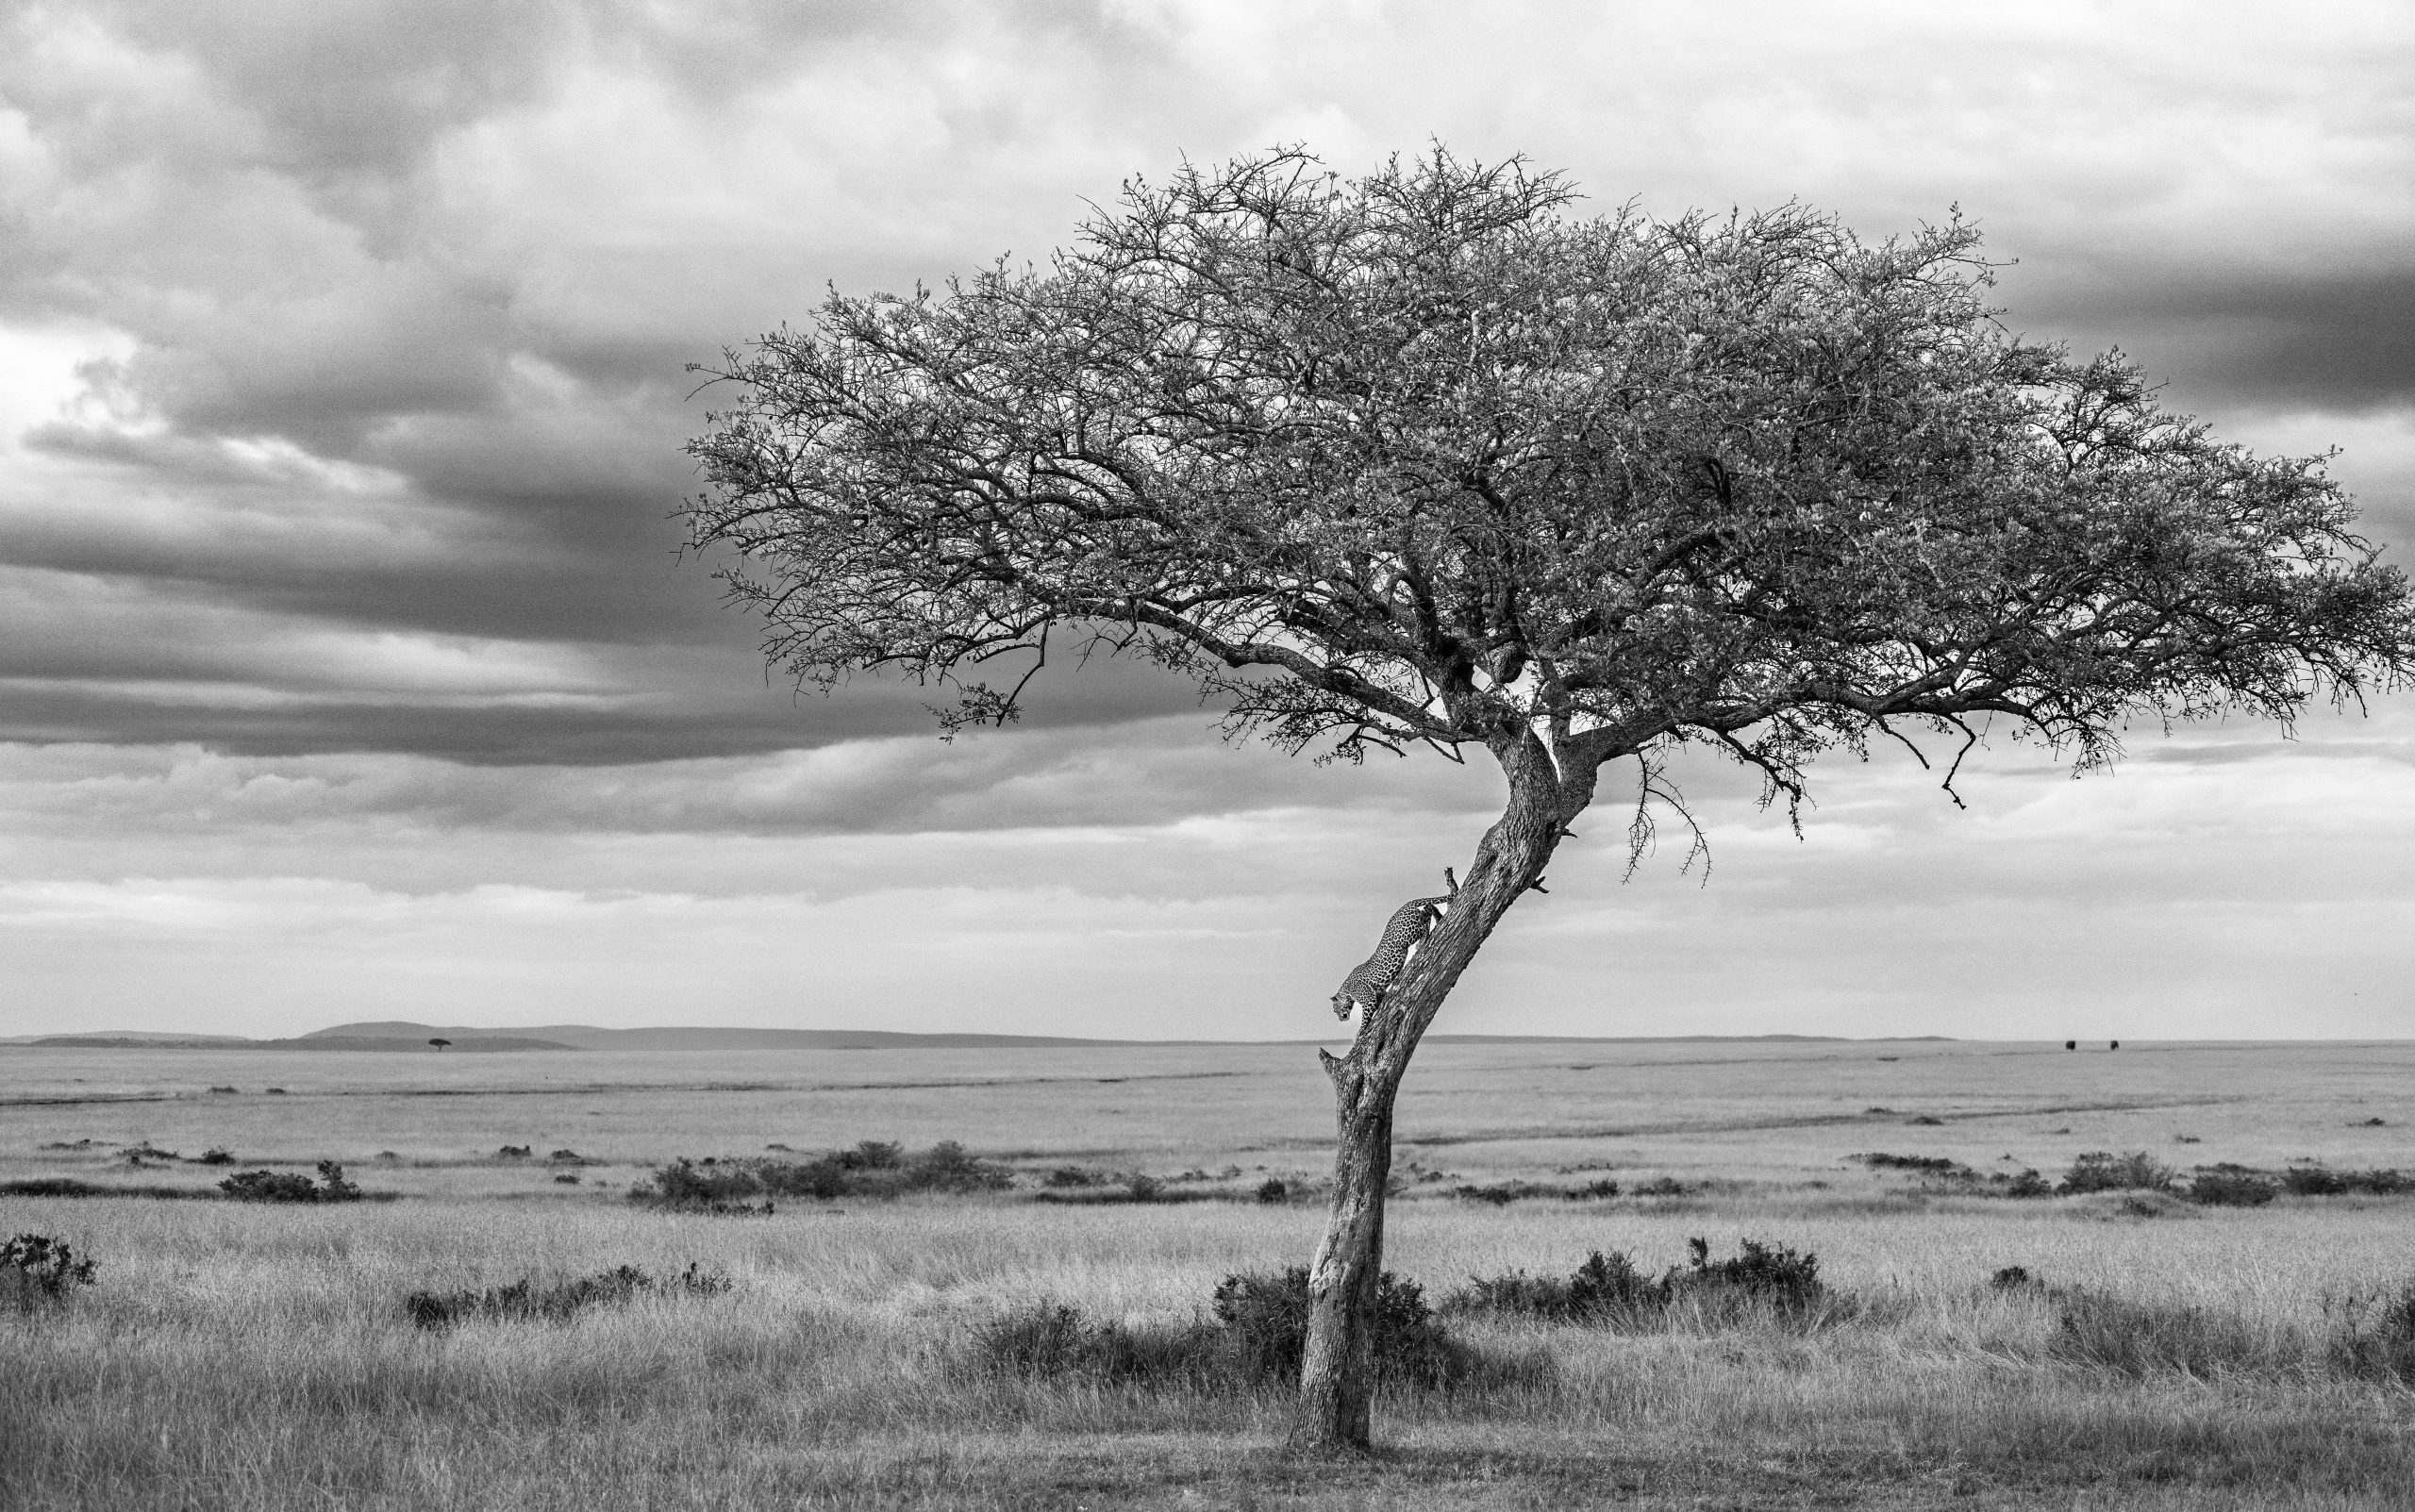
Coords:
1408,928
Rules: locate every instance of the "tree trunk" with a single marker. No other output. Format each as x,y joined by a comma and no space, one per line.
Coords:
1336,1377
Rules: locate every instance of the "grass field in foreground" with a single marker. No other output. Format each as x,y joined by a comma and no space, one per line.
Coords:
242,1356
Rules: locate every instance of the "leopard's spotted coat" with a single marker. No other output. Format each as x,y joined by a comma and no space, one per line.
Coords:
1410,923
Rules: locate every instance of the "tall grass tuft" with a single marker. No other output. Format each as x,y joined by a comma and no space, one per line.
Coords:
2146,1337
2373,1333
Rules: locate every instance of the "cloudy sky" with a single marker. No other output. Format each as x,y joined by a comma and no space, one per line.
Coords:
348,668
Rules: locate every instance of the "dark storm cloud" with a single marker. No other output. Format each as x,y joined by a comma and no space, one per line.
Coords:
393,299
405,351
2312,338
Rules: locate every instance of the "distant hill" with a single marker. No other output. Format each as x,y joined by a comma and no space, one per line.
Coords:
588,1036
400,1035
352,1042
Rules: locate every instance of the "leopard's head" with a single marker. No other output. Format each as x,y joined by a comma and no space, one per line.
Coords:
1343,1004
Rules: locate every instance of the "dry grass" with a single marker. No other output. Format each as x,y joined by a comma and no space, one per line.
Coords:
241,1356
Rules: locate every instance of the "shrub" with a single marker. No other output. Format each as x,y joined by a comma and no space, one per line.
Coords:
2230,1186
876,1154
1775,1274
2026,1184
1607,1291
36,1268
524,1300
70,1186
1662,1186
872,1168
1073,1176
1254,1342
216,1156
714,1189
514,1152
1271,1191
2101,1171
2015,1278
1934,1165
2312,1179
291,1186
1501,1194
1263,1321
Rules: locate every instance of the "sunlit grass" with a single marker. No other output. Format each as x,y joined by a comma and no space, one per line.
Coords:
259,1356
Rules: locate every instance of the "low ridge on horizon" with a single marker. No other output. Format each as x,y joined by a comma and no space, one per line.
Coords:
403,1033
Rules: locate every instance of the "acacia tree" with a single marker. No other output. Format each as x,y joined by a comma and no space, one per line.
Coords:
1423,459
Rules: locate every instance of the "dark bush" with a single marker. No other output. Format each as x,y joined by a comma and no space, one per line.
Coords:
1936,1165
216,1156
947,1166
1271,1191
1924,1121
566,1157
70,1186
1501,1194
1073,1176
2026,1184
1606,1289
1254,1342
524,1300
1661,1187
222,1091
2101,1171
872,1155
1609,1292
566,1178
291,1186
2230,1186
2015,1278
514,1152
36,1268
1775,1274
2310,1179
713,1188
1263,1319
872,1168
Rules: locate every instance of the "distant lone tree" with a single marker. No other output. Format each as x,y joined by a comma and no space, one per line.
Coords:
440,1045
1424,459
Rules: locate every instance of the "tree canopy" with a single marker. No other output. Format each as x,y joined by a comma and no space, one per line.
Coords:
1424,458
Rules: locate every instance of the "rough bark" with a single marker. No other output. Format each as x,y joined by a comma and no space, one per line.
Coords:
1336,1377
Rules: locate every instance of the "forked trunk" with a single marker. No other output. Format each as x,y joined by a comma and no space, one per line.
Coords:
1336,1377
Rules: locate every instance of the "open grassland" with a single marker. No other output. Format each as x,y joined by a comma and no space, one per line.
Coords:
234,1354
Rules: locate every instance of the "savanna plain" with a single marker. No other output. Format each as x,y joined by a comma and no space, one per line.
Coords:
534,1304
